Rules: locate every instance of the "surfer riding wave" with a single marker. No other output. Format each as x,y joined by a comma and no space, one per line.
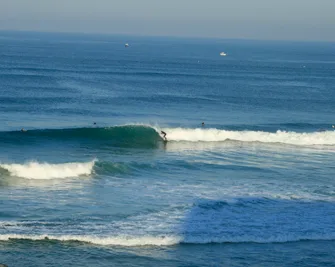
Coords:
164,135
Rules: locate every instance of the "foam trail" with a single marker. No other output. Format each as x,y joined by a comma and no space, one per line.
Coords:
215,135
35,170
115,241
132,241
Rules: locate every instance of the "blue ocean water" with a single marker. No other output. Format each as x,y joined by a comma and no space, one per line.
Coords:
91,182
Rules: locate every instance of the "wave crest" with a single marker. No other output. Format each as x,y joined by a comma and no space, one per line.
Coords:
126,241
216,135
132,241
147,136
134,135
35,170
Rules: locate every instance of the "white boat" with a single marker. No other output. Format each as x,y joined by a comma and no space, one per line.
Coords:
223,54
126,45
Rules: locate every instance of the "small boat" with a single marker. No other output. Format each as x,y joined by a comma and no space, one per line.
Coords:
126,45
223,54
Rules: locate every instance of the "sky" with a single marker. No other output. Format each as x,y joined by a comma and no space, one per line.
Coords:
247,19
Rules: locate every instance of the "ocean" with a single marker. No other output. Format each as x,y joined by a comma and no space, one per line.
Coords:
86,178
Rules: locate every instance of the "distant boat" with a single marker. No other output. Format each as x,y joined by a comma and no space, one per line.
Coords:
223,54
126,45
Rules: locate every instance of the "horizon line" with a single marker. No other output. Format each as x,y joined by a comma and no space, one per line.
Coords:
165,36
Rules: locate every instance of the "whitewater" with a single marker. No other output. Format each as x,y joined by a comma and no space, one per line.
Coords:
36,170
284,137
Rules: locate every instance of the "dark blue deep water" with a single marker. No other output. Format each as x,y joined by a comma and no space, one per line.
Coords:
91,182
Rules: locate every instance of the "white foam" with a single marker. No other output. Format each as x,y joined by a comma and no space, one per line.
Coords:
115,241
215,135
36,170
128,241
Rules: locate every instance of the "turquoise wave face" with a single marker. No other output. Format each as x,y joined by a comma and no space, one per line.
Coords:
123,136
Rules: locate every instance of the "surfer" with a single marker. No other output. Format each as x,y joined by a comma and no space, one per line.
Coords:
164,135
202,124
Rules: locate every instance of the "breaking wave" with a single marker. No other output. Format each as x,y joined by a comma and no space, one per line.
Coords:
216,135
36,170
129,241
139,135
